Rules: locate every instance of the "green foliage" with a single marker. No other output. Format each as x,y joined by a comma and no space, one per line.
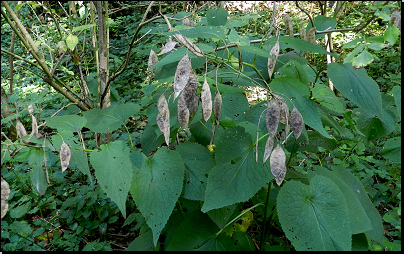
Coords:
207,189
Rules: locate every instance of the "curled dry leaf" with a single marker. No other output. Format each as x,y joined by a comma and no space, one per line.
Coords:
269,145
311,35
206,99
30,109
188,22
181,76
168,47
296,122
272,117
153,59
189,44
271,62
217,107
278,166
288,25
5,194
65,155
182,112
163,118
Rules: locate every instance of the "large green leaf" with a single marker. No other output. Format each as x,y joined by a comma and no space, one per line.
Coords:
113,171
71,123
376,233
79,161
38,179
290,86
156,185
326,98
359,220
199,232
373,127
314,217
198,161
356,86
322,23
309,111
111,118
294,69
234,106
217,17
397,99
299,44
237,176
392,150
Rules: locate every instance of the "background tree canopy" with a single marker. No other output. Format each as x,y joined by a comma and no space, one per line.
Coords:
201,125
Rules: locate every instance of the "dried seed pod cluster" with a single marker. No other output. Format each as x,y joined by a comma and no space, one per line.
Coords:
278,111
170,45
271,62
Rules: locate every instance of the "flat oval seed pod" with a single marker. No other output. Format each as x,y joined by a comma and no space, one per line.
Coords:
268,148
188,22
193,107
21,132
190,89
181,76
162,106
34,126
153,59
189,44
272,117
5,194
65,155
288,25
164,126
182,112
284,113
30,109
296,122
206,99
311,35
168,47
302,32
217,107
277,163
271,63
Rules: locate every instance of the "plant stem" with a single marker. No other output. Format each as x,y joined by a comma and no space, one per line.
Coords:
130,138
179,207
265,217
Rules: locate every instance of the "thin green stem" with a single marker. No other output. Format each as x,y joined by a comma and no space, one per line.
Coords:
179,207
130,138
265,216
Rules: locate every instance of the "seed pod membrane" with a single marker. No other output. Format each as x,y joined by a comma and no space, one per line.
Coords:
188,22
217,107
272,117
34,126
21,132
153,59
190,89
168,47
296,122
271,62
189,44
30,109
206,99
311,35
163,118
65,155
302,32
182,112
284,113
5,194
278,166
288,25
181,76
193,107
269,145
